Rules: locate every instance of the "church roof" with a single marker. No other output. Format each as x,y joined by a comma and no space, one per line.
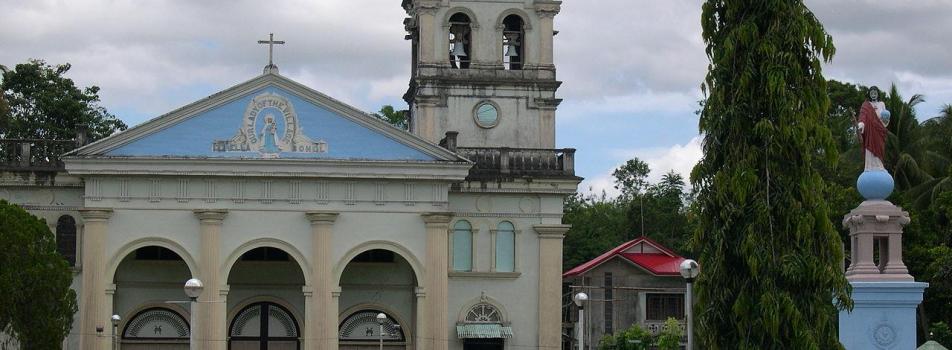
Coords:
643,252
268,117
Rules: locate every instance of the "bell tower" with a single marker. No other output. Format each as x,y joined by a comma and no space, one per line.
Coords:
483,69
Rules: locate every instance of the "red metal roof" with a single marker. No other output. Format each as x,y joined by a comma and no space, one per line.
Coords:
665,263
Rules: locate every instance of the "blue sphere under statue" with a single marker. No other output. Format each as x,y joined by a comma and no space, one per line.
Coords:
875,184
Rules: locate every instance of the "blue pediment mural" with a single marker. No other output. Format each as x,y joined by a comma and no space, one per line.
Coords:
270,122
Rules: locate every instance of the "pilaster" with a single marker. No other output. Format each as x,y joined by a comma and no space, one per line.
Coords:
546,11
321,331
436,280
94,309
211,331
550,284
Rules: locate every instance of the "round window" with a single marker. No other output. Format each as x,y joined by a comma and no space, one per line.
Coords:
487,115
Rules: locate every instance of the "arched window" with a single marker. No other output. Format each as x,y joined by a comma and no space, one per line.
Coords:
460,40
66,238
463,246
250,330
157,324
513,50
483,328
505,247
362,326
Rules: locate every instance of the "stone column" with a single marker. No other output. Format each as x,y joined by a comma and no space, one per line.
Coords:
211,330
546,11
436,280
333,312
550,285
321,331
426,118
421,318
94,313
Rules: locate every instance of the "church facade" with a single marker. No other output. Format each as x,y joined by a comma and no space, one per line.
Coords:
305,218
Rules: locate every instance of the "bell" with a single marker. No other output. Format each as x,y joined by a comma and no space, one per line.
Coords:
511,51
458,50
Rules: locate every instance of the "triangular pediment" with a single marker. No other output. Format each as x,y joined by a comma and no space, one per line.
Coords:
269,117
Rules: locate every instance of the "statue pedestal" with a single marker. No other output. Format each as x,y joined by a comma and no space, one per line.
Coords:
885,296
883,316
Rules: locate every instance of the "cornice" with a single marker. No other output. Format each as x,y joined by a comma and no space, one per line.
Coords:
305,168
552,231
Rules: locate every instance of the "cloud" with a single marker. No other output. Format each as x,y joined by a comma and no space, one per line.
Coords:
678,158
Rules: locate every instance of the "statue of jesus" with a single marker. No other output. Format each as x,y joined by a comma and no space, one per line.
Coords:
873,119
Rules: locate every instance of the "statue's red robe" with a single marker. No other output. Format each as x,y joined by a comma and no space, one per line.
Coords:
874,132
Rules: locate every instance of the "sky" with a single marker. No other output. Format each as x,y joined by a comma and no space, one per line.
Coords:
631,69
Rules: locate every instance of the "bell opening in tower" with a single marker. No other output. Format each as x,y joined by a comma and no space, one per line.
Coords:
512,42
459,44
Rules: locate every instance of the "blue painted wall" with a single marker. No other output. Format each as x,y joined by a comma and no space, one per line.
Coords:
194,136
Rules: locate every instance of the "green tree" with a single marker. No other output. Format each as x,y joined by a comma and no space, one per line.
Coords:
598,224
937,155
36,302
396,118
904,146
44,104
631,178
770,255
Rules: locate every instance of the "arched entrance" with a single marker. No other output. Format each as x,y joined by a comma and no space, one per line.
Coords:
146,279
265,294
377,281
264,325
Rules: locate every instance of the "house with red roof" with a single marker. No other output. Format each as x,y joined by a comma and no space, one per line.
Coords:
637,282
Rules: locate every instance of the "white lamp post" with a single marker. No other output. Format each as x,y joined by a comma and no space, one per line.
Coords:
115,331
381,318
193,288
580,299
689,270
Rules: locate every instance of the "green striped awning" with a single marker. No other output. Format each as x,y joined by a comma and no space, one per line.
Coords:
483,331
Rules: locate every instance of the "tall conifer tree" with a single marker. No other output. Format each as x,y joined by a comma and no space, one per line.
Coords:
770,258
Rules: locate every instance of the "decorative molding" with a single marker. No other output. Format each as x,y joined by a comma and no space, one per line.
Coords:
319,217
350,196
437,218
182,196
321,192
294,192
95,214
266,193
207,216
94,189
408,193
48,207
239,192
209,191
155,190
509,215
123,190
380,193
484,275
551,231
